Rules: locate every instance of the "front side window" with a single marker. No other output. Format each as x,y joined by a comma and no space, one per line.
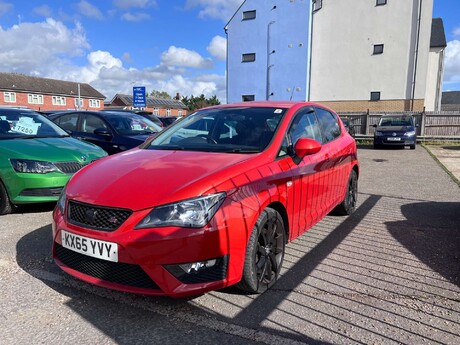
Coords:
249,57
35,99
90,123
58,100
329,125
9,97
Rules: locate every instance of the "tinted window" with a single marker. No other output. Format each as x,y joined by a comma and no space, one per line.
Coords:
68,122
329,125
91,122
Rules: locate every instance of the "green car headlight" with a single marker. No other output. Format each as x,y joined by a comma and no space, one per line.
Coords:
192,213
32,166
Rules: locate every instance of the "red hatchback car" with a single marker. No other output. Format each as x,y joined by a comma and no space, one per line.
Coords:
207,203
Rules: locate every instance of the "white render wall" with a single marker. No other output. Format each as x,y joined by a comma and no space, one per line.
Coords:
433,91
343,66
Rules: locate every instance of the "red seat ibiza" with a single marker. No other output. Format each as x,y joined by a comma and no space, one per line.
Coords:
209,202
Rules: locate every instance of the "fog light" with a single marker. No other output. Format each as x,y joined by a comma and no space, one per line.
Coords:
200,271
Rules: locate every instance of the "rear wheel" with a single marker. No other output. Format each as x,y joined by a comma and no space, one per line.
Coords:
264,253
348,205
5,205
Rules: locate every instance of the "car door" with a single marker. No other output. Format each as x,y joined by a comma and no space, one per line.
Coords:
89,123
336,165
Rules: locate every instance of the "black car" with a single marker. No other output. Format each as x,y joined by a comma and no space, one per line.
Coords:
349,126
395,130
112,130
168,120
145,113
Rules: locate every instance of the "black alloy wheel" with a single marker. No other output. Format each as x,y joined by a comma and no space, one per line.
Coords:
348,205
264,253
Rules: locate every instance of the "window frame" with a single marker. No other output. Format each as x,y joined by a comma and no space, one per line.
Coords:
248,98
94,103
378,49
34,98
249,15
58,100
9,97
375,96
248,57
324,134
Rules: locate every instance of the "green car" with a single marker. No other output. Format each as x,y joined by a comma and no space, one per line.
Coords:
37,158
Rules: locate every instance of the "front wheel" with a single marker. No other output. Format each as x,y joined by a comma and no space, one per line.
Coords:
348,205
264,253
6,206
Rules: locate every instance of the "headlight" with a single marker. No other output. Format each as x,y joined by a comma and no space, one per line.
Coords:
378,134
410,133
61,201
192,213
30,166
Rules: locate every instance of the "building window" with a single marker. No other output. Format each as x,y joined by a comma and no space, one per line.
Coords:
248,15
156,111
168,112
58,100
381,2
317,5
179,112
249,57
375,96
9,97
94,103
35,99
78,102
378,49
247,98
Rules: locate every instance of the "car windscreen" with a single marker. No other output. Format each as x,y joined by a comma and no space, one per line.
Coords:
131,124
233,130
22,124
390,121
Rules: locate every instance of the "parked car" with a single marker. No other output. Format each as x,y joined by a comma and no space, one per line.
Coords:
168,120
37,158
184,214
395,130
145,113
349,126
113,131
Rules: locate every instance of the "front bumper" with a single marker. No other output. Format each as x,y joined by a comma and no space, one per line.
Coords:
149,259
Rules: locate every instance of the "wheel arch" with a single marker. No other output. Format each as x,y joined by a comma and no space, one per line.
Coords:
279,207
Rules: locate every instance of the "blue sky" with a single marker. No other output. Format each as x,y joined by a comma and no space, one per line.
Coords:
165,45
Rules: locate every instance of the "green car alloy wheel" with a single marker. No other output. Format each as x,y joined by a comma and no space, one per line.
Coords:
37,158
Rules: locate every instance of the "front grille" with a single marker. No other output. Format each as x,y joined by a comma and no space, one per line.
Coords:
51,192
97,217
114,272
69,167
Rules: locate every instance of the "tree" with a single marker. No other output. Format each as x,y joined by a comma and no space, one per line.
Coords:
193,103
160,94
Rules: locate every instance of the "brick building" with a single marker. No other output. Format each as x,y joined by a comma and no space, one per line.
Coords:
47,94
158,106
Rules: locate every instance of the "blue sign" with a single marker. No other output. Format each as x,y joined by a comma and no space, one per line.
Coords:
139,99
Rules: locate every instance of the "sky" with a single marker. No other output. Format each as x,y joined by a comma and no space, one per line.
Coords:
177,46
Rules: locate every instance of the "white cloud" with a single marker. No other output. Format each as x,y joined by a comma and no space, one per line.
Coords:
135,17
217,9
5,7
218,47
456,32
44,11
183,57
89,10
124,4
452,62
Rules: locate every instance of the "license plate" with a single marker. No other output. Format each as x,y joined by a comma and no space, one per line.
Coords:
89,246
393,139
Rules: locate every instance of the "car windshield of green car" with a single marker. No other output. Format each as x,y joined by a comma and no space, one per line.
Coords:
27,124
231,130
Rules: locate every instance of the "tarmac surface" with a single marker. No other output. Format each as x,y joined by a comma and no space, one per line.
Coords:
389,274
448,156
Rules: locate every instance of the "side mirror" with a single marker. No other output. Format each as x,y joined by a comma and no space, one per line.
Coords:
306,146
102,132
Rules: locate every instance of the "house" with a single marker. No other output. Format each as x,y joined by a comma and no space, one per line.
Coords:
450,101
158,106
47,94
351,55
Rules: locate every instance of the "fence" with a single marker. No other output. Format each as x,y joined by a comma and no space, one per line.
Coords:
444,125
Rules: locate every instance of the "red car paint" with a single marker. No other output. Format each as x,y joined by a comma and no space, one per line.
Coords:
141,179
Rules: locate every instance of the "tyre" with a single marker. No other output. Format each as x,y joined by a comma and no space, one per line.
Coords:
348,205
412,147
5,205
264,253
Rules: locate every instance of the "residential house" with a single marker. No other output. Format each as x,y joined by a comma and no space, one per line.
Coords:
351,55
47,94
158,106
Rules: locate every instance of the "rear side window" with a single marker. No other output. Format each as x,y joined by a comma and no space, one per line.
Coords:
329,125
